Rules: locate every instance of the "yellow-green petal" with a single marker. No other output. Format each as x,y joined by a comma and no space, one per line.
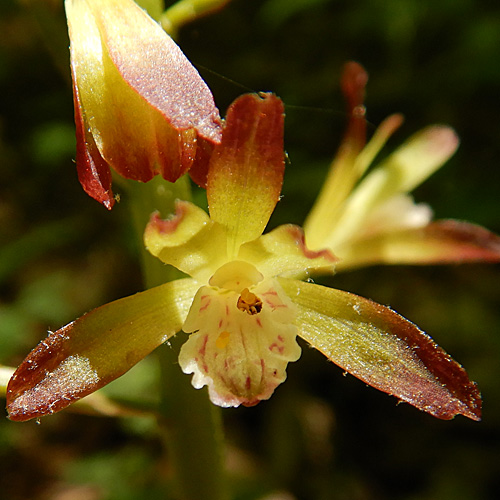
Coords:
283,252
246,169
401,172
383,349
97,348
352,159
5,374
189,241
343,175
440,242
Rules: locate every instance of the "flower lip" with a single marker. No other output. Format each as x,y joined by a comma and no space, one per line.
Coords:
236,276
240,342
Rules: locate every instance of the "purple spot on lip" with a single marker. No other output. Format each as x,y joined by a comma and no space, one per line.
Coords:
203,348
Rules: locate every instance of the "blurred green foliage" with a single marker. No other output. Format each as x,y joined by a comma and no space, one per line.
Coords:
322,436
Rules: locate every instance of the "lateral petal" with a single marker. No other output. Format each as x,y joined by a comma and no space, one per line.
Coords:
189,241
246,169
283,252
380,347
440,242
90,352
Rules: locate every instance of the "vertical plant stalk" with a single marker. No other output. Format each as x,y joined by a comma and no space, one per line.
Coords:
190,424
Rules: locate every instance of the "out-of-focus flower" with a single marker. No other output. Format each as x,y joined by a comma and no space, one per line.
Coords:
140,106
243,304
372,219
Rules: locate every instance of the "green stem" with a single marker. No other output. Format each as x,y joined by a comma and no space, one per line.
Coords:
191,425
186,11
156,195
193,430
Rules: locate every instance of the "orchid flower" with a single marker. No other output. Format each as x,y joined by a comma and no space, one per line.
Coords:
244,304
371,219
140,106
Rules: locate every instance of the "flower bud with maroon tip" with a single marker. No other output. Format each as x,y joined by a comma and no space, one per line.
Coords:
140,106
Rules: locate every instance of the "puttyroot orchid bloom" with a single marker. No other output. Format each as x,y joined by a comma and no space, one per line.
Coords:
243,304
140,106
371,219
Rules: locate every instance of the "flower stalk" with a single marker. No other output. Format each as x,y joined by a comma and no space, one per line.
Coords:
190,426
186,11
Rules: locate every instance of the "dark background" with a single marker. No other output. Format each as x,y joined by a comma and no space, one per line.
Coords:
322,435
